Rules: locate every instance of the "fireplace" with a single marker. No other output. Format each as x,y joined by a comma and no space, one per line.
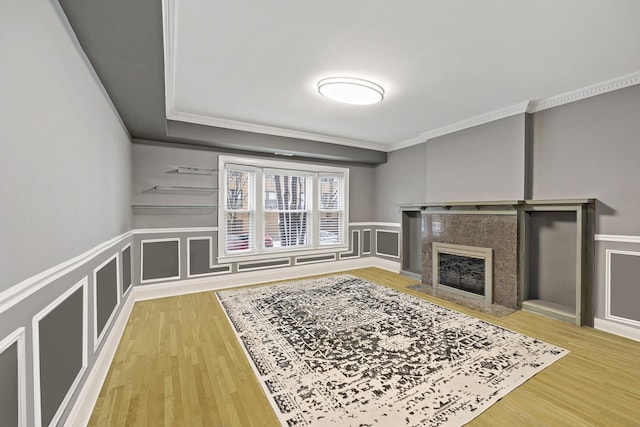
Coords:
467,270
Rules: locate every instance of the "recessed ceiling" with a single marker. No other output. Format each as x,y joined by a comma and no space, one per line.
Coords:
254,65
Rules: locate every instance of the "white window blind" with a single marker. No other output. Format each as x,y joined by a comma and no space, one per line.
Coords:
331,210
287,209
239,210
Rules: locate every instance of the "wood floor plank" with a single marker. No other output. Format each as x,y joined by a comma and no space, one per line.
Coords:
179,364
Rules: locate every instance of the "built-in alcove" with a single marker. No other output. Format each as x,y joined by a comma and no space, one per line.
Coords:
412,244
556,258
552,260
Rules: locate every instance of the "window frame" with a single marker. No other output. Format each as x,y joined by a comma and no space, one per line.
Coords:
265,166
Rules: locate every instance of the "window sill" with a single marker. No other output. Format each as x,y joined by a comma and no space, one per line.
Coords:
281,254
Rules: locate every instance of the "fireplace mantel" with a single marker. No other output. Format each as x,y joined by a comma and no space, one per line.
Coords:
506,226
491,204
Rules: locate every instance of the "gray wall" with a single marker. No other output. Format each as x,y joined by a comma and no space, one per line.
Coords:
486,162
155,165
590,148
400,180
66,163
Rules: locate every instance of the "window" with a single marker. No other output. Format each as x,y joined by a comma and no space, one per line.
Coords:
269,207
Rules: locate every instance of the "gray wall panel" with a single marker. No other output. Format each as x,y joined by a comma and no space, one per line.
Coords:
481,163
318,258
401,180
9,386
61,346
590,148
263,264
160,260
199,256
354,243
625,286
67,175
387,243
366,241
553,277
106,293
126,269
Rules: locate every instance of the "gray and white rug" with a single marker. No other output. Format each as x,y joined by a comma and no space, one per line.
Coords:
343,351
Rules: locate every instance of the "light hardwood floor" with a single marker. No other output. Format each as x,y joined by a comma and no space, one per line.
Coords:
179,364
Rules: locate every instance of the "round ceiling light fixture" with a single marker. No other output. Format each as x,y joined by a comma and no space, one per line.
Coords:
350,90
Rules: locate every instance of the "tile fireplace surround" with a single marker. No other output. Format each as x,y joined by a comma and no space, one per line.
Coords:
502,226
496,231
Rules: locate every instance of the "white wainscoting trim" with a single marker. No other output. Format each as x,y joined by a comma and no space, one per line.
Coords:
163,290
617,238
17,336
175,230
355,236
24,289
159,279
37,402
607,289
302,260
97,337
266,264
364,232
181,116
129,285
382,253
83,407
617,329
375,224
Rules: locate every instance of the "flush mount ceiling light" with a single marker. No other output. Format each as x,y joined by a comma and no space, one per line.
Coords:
351,90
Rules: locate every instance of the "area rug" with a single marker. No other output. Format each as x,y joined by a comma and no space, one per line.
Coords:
346,352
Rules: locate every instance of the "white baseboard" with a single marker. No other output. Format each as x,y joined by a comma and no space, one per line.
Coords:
223,281
83,406
617,329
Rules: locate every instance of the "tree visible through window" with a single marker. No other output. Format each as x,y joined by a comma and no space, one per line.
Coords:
288,222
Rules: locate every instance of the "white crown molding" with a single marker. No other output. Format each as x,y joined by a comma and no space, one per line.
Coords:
585,92
512,110
532,106
406,143
617,238
170,22
270,130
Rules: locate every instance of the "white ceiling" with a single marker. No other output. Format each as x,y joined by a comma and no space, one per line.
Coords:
254,64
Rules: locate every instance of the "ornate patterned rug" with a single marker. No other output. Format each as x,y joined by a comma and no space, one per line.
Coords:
343,351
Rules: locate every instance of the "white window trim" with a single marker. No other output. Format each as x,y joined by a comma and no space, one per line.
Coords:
260,165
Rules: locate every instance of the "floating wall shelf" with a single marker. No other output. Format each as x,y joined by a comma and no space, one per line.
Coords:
174,206
184,188
196,170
